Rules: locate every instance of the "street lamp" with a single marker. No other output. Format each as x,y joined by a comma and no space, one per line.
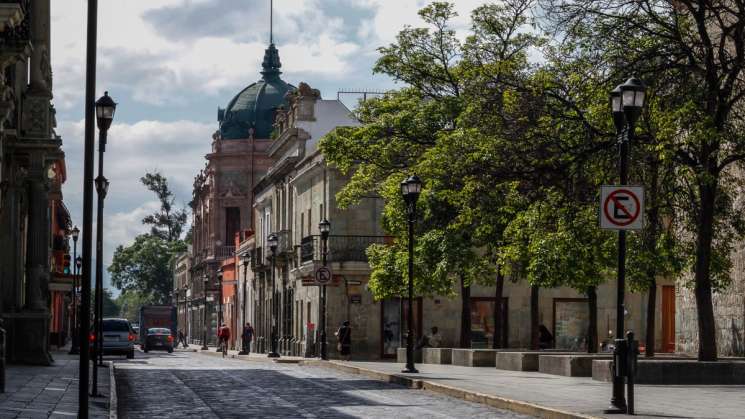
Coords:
74,345
626,102
205,279
325,228
272,241
105,109
219,303
245,258
410,189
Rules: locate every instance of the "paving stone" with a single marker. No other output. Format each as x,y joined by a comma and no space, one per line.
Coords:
193,385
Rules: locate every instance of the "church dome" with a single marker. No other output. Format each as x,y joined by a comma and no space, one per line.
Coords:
255,106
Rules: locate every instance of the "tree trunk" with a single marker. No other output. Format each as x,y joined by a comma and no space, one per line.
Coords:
498,292
465,315
707,340
651,312
653,233
534,320
592,330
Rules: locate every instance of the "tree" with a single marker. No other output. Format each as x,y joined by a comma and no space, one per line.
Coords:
129,305
695,50
167,223
145,267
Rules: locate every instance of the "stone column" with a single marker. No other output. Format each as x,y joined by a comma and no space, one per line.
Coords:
41,70
37,258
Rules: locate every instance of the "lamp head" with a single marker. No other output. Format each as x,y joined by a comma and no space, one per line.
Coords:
102,186
632,98
325,228
272,241
105,109
411,188
75,233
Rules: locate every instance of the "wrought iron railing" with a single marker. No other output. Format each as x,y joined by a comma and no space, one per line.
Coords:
340,248
224,252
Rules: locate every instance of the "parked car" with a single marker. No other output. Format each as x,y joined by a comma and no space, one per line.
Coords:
118,338
158,338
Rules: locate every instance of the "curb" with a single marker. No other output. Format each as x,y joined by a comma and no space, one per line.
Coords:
113,400
472,396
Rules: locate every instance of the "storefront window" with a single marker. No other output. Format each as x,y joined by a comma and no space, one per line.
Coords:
482,322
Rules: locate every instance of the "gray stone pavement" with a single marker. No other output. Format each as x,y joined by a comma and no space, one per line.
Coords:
50,392
577,394
187,384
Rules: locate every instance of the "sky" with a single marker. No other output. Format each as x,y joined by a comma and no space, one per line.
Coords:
169,64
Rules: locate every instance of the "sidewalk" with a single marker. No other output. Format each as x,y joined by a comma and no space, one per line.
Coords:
50,392
212,351
555,396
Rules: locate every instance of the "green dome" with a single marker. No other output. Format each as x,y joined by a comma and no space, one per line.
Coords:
255,106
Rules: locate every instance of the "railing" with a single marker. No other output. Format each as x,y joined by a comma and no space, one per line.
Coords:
224,252
257,258
284,242
340,248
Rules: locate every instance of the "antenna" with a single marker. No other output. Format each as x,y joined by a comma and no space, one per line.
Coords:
271,22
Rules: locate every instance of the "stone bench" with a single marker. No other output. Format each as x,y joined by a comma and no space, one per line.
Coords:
474,357
672,371
575,365
437,356
401,355
522,360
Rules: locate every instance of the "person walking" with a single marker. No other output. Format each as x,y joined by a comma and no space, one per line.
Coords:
248,334
181,339
344,341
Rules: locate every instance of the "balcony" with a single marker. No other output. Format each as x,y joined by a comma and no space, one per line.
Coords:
258,260
224,252
340,248
284,242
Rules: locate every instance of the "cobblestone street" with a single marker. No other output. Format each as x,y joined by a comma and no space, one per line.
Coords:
191,385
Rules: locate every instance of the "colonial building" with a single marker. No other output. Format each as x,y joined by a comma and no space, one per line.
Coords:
182,290
222,197
295,195
33,220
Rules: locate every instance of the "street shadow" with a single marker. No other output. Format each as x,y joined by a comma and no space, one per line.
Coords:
244,393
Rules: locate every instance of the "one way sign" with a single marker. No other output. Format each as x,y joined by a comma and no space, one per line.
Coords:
621,207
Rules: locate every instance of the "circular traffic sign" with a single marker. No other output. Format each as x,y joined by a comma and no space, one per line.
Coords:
323,275
617,209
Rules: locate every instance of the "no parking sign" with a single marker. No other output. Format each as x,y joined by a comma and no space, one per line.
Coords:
621,207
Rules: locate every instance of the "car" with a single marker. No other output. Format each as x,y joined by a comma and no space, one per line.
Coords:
118,338
158,338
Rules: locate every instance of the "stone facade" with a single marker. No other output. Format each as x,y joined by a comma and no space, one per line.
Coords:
33,221
729,314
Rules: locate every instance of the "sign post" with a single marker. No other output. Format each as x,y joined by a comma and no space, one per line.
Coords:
621,207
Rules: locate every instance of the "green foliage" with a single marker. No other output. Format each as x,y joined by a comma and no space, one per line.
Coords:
167,223
145,267
129,304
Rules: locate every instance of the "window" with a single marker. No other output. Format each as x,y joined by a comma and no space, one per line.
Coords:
232,224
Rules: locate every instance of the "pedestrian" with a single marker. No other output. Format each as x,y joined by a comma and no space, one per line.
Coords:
181,339
344,341
223,335
248,334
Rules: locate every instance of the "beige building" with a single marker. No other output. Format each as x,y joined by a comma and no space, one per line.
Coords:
299,191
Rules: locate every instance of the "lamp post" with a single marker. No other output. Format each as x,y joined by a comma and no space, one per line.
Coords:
88,157
626,102
205,279
105,109
325,228
74,344
219,303
245,258
273,241
410,189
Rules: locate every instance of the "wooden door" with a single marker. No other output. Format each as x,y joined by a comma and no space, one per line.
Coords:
668,318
